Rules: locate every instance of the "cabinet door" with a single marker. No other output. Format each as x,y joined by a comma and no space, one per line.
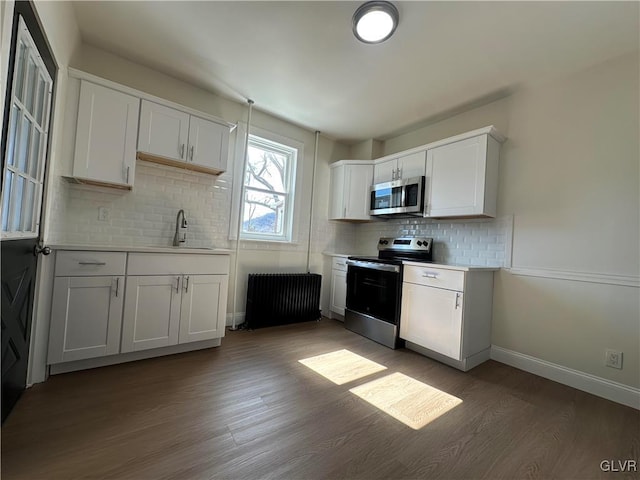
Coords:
432,318
204,307
151,312
338,291
337,207
163,131
413,165
106,132
86,316
457,173
357,192
208,144
385,171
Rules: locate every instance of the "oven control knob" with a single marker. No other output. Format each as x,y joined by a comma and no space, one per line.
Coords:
419,243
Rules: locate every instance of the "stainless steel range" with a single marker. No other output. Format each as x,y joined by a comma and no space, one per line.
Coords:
374,288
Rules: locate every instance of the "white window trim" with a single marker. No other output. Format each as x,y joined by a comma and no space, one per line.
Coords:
237,173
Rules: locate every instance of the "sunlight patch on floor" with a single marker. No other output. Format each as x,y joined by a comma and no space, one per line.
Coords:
412,402
342,366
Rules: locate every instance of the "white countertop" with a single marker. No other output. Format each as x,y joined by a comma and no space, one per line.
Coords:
343,255
144,249
463,268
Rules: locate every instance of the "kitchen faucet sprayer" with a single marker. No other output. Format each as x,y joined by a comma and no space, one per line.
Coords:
180,237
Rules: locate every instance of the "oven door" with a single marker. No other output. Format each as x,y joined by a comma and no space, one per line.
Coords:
373,289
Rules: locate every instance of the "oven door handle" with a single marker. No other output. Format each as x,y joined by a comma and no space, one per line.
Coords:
385,267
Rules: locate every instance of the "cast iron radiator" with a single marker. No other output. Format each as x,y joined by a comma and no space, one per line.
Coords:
281,298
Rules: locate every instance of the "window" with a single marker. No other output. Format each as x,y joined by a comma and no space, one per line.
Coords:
269,179
26,143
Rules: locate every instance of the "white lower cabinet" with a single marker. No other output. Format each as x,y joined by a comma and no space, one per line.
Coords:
86,310
173,299
204,306
446,314
432,318
163,300
151,312
339,285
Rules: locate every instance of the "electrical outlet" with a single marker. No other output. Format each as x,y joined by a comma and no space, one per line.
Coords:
103,214
613,358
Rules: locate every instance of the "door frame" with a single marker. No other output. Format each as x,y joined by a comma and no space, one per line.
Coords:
37,369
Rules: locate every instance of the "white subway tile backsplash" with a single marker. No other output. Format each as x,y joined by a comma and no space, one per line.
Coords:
479,242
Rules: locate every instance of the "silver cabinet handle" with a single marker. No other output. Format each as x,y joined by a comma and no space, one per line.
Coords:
128,168
186,284
177,284
430,275
117,285
182,151
191,153
457,300
92,263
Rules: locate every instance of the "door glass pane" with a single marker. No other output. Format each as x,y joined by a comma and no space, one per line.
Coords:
30,94
8,179
20,62
42,89
16,219
13,128
23,145
27,206
35,150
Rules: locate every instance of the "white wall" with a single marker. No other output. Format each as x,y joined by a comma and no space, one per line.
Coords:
569,175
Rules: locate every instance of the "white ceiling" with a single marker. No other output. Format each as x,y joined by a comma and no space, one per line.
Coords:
301,62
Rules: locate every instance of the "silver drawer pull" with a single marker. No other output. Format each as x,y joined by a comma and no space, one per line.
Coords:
117,285
430,275
92,263
186,283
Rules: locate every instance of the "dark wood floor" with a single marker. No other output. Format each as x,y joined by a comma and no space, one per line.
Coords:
249,410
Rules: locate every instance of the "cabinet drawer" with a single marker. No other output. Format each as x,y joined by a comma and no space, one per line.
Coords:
434,277
177,264
339,263
87,263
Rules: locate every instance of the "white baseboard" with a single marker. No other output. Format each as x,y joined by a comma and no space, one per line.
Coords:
616,392
239,318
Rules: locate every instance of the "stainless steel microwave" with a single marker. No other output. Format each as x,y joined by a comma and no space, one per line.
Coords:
399,197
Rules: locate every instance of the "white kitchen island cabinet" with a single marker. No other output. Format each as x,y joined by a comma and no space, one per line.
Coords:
106,132
86,311
463,178
446,313
350,190
176,136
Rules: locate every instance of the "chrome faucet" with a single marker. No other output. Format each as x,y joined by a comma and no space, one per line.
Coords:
180,237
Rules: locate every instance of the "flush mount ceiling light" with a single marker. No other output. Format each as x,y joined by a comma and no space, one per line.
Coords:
375,21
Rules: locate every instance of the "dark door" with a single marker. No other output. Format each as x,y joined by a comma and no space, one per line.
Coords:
25,141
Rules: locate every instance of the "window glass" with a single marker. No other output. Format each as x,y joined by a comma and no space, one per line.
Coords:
267,206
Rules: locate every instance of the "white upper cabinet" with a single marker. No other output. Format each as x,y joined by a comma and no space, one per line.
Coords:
208,144
163,131
107,127
194,142
385,171
350,190
403,166
463,178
